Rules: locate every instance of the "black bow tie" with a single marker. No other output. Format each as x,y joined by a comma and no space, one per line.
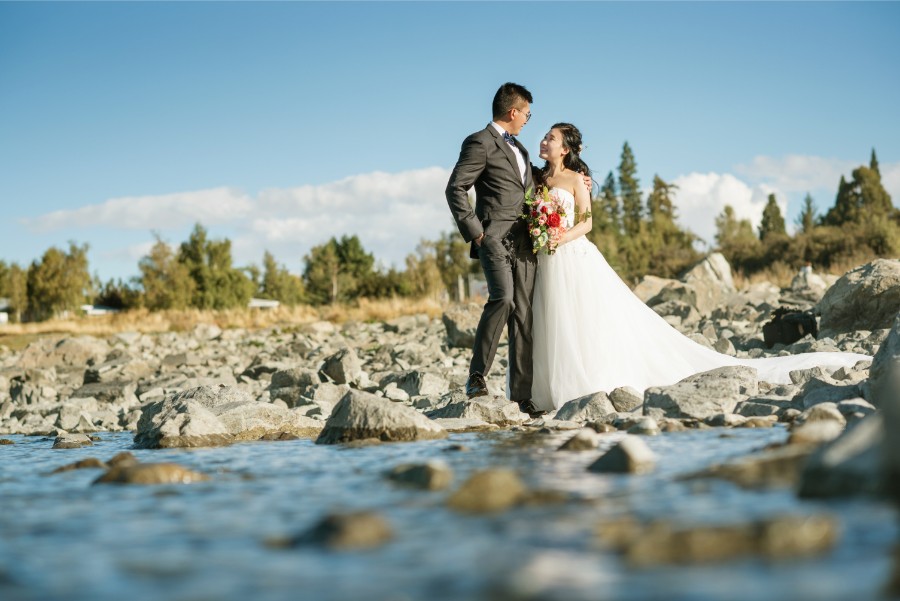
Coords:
509,138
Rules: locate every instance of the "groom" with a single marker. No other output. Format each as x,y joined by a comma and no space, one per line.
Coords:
497,165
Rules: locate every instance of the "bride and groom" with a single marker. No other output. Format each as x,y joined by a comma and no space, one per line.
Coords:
574,327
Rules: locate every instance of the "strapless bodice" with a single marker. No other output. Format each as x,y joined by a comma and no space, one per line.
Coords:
567,199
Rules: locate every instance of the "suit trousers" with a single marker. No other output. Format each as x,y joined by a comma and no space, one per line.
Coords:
509,269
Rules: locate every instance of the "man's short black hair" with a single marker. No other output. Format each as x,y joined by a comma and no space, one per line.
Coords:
508,96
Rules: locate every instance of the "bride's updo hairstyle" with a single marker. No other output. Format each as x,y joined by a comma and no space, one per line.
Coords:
571,139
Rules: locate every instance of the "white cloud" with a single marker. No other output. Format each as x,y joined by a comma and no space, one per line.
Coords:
216,205
797,173
702,196
390,212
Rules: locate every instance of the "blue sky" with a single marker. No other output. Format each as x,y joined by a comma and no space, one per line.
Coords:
279,125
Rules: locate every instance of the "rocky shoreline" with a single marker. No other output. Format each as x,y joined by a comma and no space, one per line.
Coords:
402,380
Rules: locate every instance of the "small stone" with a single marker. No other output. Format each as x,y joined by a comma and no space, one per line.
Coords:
348,532
428,476
757,422
584,440
71,441
626,399
150,473
90,462
645,426
631,455
816,432
123,458
490,490
4,441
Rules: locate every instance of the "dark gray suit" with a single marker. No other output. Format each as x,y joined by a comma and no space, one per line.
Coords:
487,162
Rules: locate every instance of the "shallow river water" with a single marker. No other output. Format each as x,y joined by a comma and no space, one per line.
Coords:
63,538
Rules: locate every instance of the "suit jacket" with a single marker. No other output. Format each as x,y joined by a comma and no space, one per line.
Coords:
487,162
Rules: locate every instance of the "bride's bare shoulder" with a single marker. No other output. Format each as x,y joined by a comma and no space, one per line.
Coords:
571,179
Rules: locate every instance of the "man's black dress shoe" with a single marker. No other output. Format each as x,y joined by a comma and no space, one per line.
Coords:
528,406
475,386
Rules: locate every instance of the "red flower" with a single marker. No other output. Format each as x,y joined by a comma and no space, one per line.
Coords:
534,214
544,209
553,220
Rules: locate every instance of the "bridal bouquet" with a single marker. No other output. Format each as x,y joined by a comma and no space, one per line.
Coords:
546,219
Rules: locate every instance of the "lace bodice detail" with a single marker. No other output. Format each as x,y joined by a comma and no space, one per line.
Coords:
567,199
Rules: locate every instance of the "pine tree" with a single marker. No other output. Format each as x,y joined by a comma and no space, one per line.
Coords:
337,270
873,164
736,241
630,189
807,219
609,216
772,223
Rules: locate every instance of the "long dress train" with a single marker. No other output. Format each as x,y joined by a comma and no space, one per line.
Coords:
591,333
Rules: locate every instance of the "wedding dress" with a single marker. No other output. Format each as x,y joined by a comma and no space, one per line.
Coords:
591,333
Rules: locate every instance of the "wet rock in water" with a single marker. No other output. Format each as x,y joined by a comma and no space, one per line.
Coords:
815,433
362,415
89,463
776,538
122,458
343,367
601,427
631,455
772,468
72,441
726,420
487,491
585,439
492,409
865,298
433,475
348,532
180,422
821,412
150,473
213,416
464,424
884,392
5,441
851,464
702,395
758,422
644,426
587,408
626,399
672,425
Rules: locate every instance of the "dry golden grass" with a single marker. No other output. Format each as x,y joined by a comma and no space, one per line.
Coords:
17,336
781,274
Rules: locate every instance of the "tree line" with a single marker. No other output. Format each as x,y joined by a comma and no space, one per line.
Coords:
638,235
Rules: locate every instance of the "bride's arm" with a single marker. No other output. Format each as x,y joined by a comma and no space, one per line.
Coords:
583,222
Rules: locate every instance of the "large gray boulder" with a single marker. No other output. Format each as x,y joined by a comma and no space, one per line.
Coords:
212,416
865,298
591,407
492,409
712,282
461,322
703,395
884,393
850,464
361,415
63,352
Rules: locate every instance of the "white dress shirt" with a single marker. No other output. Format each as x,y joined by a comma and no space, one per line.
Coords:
519,158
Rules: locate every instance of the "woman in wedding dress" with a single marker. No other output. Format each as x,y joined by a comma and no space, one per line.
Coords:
591,333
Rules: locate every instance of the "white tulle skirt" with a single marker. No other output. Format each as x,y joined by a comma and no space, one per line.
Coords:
591,334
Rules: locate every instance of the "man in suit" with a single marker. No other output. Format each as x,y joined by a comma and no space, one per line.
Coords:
497,165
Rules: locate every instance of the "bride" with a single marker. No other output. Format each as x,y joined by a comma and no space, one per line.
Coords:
591,333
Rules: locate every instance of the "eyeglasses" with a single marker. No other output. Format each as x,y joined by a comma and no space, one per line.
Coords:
527,115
